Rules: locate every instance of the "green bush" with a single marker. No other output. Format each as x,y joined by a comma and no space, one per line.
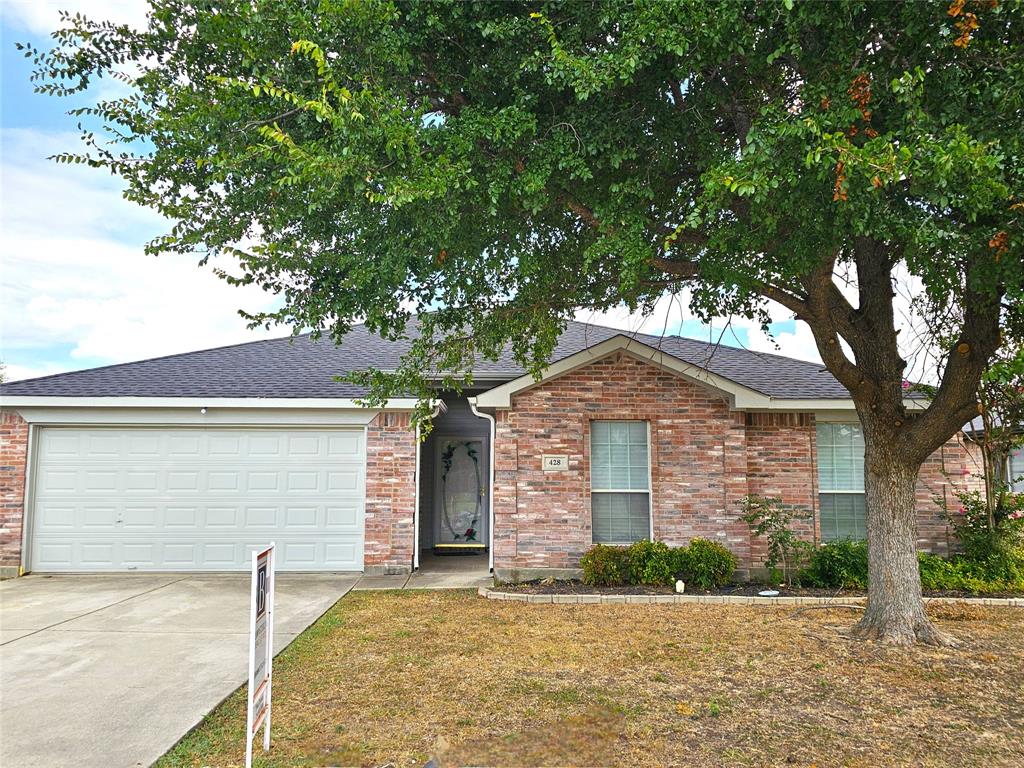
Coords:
999,565
838,564
939,573
605,566
651,562
997,573
844,564
705,564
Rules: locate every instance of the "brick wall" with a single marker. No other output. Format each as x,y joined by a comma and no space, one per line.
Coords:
698,462
782,463
390,493
13,457
946,471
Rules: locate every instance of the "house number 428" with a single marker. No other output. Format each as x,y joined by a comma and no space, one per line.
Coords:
555,463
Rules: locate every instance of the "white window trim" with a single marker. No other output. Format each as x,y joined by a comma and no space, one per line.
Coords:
650,483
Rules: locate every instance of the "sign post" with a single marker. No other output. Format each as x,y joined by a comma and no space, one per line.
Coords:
261,650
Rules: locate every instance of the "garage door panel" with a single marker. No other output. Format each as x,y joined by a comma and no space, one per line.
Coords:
134,555
341,556
344,517
56,516
191,499
300,517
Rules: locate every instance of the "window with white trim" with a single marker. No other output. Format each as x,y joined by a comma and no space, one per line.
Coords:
841,504
1015,468
620,481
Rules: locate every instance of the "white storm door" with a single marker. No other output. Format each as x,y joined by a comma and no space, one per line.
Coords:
460,492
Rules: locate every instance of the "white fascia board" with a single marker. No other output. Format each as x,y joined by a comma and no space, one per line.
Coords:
740,397
193,417
181,411
330,403
822,407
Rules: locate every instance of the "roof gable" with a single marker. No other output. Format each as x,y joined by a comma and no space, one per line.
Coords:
738,395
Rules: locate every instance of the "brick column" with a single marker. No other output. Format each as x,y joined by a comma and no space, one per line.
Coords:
505,493
390,493
13,459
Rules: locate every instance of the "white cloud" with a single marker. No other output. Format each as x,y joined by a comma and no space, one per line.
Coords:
75,275
39,194
113,303
41,17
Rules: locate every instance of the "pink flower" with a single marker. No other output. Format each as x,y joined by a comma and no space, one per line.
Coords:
960,510
1016,515
906,384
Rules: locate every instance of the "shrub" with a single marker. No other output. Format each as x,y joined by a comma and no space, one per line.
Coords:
939,573
772,519
995,574
980,537
651,562
705,564
839,564
1006,566
605,566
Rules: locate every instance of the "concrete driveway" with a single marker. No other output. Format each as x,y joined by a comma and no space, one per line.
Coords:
110,671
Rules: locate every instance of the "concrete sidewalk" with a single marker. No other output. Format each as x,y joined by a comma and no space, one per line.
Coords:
436,572
111,670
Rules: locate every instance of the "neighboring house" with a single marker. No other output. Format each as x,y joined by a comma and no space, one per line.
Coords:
186,462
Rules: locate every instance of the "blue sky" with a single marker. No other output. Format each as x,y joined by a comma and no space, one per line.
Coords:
76,289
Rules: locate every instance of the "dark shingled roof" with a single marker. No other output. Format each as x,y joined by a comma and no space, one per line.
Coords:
297,366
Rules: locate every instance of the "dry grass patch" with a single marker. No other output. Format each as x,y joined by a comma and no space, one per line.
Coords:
394,677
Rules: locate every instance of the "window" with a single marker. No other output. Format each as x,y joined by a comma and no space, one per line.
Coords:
841,482
620,481
1016,470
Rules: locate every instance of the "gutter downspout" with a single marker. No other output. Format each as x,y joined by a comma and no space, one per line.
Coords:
490,483
439,408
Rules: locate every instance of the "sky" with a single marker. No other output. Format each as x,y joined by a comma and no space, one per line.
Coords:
77,290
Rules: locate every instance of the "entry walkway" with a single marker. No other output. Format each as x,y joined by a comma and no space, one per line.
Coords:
436,572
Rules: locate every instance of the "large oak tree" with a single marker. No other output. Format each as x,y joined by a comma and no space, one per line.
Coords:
508,164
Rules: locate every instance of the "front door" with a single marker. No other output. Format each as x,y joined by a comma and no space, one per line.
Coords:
460,506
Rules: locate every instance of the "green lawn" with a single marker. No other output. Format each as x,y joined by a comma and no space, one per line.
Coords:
393,677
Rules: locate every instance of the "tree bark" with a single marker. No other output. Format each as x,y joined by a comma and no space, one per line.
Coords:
895,613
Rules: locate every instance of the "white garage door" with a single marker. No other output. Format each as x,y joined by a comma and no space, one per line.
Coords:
169,499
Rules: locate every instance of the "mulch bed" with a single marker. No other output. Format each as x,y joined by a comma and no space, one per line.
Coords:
745,589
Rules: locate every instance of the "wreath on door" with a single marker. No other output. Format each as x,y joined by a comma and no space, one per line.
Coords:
447,459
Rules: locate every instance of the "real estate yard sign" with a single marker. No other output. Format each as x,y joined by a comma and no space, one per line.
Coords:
261,649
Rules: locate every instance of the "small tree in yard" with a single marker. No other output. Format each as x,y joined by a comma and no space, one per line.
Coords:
509,164
773,520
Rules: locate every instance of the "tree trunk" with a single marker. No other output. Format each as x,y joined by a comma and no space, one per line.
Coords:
895,612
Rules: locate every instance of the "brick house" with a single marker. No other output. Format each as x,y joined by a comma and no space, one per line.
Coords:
187,462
